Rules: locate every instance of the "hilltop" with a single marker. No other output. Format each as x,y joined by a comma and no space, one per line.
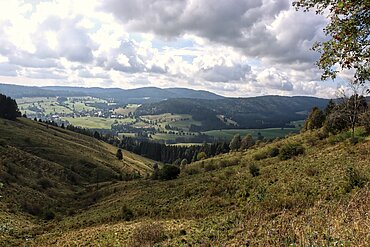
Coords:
121,96
241,198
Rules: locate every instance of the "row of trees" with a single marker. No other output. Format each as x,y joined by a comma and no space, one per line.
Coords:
171,153
346,113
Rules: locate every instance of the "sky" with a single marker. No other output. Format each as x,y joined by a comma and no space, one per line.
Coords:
234,48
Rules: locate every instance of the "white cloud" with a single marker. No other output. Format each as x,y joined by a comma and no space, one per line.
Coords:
233,47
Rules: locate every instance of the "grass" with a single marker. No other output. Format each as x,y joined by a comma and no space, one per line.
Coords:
307,200
130,108
44,169
270,133
96,122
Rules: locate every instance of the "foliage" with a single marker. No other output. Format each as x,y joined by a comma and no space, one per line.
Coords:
354,179
315,120
254,170
365,120
171,153
290,150
348,31
330,107
201,156
235,143
248,113
8,108
119,154
247,142
168,172
148,234
126,213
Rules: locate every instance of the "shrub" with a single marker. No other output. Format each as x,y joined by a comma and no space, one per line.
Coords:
273,152
201,156
148,235
168,172
192,171
209,167
48,214
354,179
260,155
290,150
126,213
45,183
254,170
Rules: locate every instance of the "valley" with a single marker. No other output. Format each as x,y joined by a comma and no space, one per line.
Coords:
60,188
170,121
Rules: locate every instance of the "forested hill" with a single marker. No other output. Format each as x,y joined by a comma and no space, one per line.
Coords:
121,96
255,112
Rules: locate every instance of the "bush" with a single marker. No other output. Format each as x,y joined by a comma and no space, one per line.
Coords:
209,167
354,179
290,150
48,214
273,152
260,155
192,171
168,172
201,156
148,235
45,183
254,170
126,213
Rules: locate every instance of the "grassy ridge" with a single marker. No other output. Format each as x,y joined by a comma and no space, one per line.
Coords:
48,172
319,198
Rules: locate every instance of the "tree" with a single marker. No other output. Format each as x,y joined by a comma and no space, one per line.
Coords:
346,114
155,171
97,135
348,30
8,108
119,154
330,107
183,164
235,143
315,120
247,142
201,156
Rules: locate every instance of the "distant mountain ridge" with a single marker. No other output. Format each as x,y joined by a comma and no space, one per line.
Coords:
123,96
254,112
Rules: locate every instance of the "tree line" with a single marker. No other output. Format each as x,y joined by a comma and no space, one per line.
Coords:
8,108
173,154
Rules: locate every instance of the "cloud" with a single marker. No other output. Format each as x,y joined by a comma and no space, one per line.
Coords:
266,29
8,69
273,79
222,73
232,47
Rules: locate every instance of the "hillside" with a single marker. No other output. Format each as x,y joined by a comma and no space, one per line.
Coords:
318,198
47,172
256,112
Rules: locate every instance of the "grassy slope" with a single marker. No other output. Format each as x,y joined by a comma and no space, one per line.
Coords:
304,201
47,169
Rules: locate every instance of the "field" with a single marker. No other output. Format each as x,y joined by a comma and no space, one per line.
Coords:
85,112
270,133
96,122
50,105
128,109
